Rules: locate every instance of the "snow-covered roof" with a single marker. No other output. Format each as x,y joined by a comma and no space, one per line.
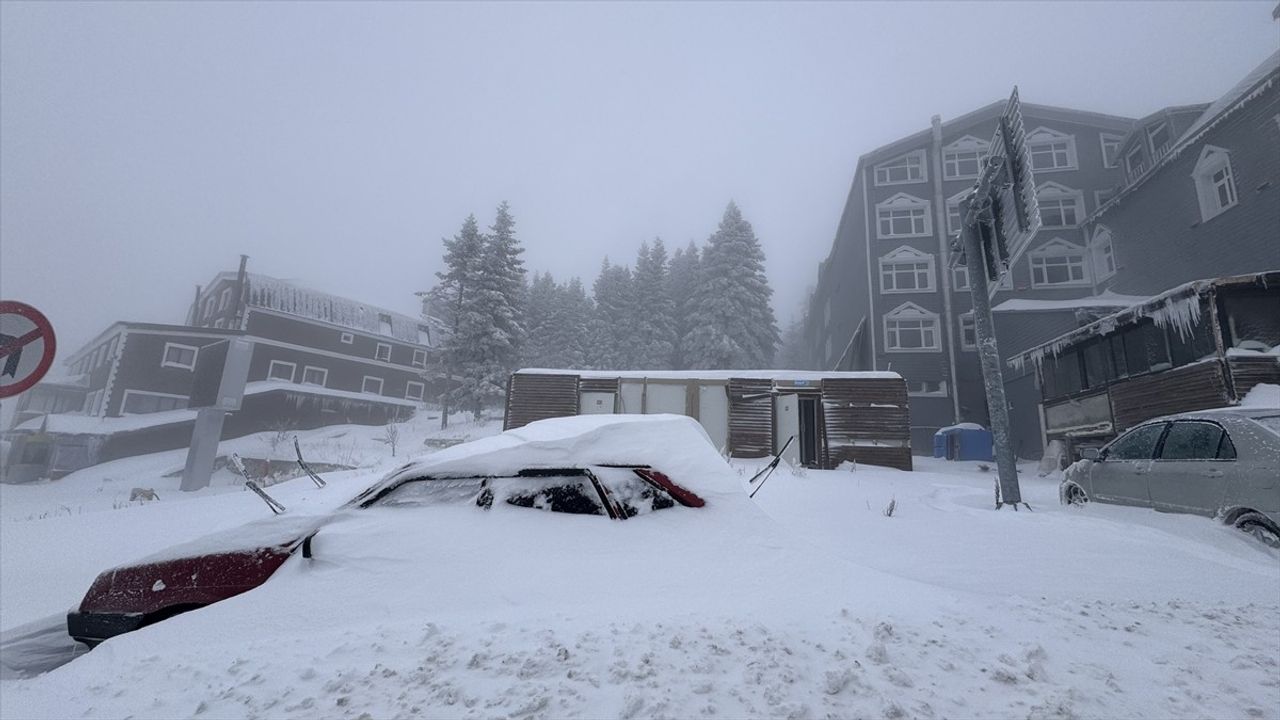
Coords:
1178,307
69,424
289,297
1103,300
266,386
1254,84
674,444
716,375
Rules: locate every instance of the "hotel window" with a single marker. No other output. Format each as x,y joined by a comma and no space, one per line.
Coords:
281,370
384,323
1060,206
1161,140
903,216
138,402
1103,252
927,388
383,352
419,358
424,335
906,169
962,159
224,299
179,356
1110,149
906,270
911,328
1215,182
960,277
315,376
1058,262
347,338
413,390
968,332
1134,163
371,385
1051,150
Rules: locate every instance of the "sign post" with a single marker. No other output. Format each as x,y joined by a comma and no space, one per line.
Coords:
1000,217
207,432
27,347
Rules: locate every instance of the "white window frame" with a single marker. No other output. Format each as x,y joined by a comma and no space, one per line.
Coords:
293,370
1058,193
364,383
224,299
1213,160
419,358
956,273
124,399
1058,248
1046,136
1161,151
1114,140
1102,253
166,362
967,145
324,376
1129,167
377,352
384,324
346,338
220,323
899,203
911,312
422,388
915,158
424,335
907,255
208,307
967,319
93,402
940,392
953,202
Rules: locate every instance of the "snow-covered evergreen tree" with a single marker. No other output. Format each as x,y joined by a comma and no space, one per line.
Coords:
732,324
541,319
653,321
460,297
571,329
494,345
682,277
612,331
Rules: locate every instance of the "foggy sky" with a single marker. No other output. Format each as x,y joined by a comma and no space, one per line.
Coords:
143,147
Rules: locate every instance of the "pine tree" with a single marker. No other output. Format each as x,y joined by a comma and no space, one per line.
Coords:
494,343
458,295
570,331
732,324
653,320
793,354
682,277
542,311
612,331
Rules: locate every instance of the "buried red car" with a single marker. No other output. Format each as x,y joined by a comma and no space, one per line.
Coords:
227,564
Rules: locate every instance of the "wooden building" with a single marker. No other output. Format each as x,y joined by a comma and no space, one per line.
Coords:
1200,345
834,416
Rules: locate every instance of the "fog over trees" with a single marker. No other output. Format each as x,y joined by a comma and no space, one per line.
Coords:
705,307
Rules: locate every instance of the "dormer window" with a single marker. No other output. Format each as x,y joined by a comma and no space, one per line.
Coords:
903,215
1134,163
1161,138
908,168
911,328
906,270
1058,262
1215,182
1110,149
1104,255
962,159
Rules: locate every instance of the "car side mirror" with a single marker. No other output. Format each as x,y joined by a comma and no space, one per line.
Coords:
1091,453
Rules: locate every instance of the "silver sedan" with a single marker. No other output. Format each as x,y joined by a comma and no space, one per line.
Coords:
1222,463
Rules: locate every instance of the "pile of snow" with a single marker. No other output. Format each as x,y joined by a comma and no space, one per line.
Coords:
1262,395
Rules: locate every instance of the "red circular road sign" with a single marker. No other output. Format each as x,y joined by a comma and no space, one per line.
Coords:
17,376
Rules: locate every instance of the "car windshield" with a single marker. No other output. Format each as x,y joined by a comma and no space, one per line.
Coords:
599,490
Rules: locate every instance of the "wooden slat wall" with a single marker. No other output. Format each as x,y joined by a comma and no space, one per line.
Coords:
609,385
1247,371
1183,389
750,421
538,397
866,410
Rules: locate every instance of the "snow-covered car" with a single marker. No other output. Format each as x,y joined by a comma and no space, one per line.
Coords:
619,467
1222,463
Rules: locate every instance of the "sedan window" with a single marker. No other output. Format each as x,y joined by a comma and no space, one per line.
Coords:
1137,444
1191,441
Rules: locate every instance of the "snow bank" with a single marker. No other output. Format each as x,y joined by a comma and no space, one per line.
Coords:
716,375
1263,395
1102,300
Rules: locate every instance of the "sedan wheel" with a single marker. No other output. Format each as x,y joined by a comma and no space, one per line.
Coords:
1074,495
1256,525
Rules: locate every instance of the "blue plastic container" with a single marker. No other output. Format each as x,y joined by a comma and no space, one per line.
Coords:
966,441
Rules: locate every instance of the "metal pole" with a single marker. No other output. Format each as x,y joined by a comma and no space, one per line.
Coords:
1008,492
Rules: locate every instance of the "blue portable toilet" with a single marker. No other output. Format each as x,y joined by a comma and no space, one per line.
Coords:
966,441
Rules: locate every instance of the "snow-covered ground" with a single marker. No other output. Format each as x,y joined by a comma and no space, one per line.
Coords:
807,601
